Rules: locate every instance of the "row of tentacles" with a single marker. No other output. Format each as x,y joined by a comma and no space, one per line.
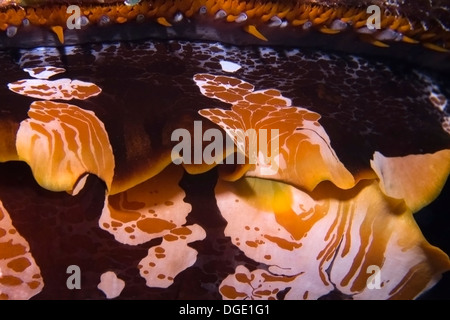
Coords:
328,18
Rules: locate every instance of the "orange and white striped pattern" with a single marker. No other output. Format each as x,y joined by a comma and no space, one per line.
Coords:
63,89
61,143
306,157
20,276
155,209
325,240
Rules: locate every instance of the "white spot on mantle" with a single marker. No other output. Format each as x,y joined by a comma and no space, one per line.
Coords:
229,66
111,285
